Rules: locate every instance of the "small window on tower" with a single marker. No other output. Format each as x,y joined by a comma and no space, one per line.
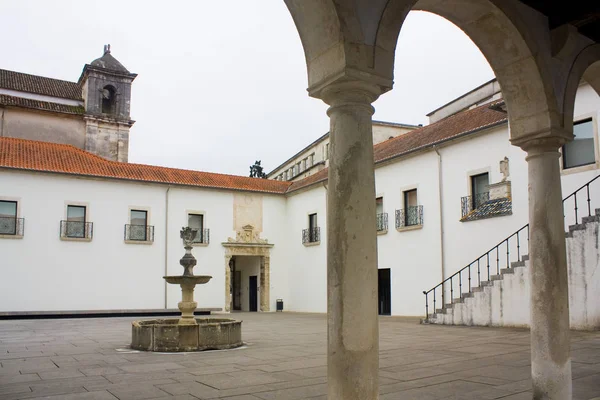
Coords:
109,97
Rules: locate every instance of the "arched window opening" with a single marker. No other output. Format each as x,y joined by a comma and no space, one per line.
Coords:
109,100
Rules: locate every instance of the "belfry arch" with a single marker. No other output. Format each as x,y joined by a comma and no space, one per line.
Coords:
350,48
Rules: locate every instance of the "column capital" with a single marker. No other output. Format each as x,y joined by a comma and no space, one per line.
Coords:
354,91
353,94
543,142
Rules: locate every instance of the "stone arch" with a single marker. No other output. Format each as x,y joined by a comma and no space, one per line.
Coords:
508,35
586,66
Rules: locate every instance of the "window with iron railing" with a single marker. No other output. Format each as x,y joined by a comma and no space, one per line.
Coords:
470,203
196,221
313,233
76,225
382,222
9,223
410,216
138,228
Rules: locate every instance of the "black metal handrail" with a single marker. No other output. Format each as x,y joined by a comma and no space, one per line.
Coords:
573,198
12,226
412,216
382,222
76,230
311,235
473,202
142,233
497,258
202,236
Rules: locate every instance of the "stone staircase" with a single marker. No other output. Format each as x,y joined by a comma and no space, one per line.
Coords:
503,300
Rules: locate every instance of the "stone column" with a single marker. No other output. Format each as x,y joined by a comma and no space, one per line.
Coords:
265,283
227,284
550,352
353,329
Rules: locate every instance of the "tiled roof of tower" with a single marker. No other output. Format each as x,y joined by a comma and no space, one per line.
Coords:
40,105
66,159
457,125
39,85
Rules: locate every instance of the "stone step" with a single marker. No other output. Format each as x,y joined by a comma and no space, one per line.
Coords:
505,271
525,257
477,289
591,218
459,300
449,305
576,227
486,283
440,311
467,295
496,277
597,211
516,264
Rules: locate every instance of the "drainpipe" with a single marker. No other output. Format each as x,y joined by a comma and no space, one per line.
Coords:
440,191
166,239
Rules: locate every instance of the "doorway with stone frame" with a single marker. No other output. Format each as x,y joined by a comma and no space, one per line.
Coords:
246,256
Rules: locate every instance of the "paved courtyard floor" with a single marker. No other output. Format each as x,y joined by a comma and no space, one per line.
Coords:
284,359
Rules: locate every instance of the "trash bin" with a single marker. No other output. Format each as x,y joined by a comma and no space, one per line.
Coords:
279,305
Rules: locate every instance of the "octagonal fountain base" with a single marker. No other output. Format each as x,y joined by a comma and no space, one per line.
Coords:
168,335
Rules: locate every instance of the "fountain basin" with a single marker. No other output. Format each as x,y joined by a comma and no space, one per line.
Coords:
168,335
187,279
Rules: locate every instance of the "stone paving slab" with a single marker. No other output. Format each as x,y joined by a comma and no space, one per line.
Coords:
285,358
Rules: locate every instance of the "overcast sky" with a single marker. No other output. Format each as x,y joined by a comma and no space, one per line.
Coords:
223,83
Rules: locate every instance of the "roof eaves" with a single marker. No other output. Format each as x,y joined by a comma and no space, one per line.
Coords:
118,178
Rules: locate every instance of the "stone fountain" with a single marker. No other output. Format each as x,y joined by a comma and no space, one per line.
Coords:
186,333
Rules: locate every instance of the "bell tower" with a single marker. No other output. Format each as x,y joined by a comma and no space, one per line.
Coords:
106,89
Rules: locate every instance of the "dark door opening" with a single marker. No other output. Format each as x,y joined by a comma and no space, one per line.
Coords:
253,293
385,292
237,290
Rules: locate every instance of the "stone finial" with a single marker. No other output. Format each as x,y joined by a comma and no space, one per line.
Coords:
107,48
188,235
504,169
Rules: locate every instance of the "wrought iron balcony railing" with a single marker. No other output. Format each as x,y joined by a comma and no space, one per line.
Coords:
382,222
470,203
76,230
202,237
142,233
412,216
311,235
12,226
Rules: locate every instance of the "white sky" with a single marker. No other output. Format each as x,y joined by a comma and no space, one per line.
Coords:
223,83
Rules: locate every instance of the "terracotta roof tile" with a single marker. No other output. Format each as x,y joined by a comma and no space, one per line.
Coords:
6,100
66,159
39,85
463,123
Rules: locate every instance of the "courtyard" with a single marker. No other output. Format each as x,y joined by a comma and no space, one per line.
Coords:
285,358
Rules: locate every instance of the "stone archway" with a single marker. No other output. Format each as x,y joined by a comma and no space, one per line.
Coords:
350,47
248,243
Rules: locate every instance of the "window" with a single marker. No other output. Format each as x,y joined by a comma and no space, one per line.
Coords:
109,99
138,229
8,217
411,208
479,190
196,221
580,151
75,225
311,160
327,151
382,220
312,234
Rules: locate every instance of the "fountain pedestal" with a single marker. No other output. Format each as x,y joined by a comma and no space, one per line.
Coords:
187,305
186,333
